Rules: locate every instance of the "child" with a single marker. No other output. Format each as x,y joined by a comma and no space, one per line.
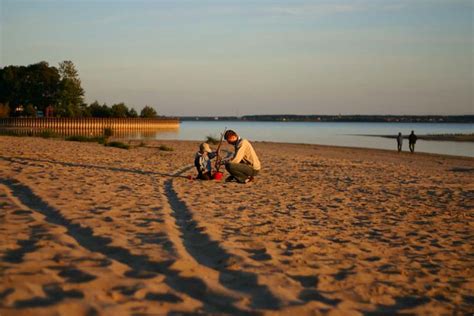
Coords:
202,161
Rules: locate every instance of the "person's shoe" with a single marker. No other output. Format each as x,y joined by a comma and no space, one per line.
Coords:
249,179
229,179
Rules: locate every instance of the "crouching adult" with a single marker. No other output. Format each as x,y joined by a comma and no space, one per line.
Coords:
244,165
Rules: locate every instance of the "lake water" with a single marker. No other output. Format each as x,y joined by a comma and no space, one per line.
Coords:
326,133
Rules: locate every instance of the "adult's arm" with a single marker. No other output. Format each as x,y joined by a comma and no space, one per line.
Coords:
240,154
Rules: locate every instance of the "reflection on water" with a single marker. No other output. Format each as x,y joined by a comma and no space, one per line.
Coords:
129,134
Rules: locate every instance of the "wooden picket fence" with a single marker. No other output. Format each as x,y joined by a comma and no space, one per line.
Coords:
88,125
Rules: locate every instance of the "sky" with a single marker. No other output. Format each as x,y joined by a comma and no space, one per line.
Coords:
200,57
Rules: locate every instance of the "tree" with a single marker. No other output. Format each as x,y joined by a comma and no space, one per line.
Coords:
97,110
148,112
71,96
119,110
37,84
132,113
41,85
86,111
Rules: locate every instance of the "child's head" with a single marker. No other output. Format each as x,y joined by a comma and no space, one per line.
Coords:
204,148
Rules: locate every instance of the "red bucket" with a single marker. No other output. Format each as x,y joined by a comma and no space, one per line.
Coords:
218,176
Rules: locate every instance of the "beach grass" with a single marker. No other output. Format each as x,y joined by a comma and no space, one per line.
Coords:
86,139
165,148
212,140
117,145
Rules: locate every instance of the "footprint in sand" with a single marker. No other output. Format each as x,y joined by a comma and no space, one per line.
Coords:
259,254
74,275
54,294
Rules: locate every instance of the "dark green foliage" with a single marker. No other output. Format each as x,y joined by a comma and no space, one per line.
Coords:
80,138
100,140
30,111
119,110
118,145
97,110
212,140
71,95
29,133
132,113
148,112
42,85
108,132
47,133
165,148
6,132
37,84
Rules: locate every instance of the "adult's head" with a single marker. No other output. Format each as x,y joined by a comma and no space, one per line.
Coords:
231,137
399,134
412,132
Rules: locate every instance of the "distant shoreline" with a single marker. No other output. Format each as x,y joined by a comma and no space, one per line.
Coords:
434,137
338,118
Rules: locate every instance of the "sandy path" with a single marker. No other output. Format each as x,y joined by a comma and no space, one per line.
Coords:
93,229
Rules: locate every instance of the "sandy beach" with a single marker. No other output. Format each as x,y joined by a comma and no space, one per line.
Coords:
93,230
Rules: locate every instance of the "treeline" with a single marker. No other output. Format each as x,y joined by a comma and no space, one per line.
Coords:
338,118
40,89
116,110
364,118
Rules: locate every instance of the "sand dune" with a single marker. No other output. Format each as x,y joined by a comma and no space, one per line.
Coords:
88,229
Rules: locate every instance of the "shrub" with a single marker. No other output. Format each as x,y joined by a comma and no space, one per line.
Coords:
80,138
108,132
47,133
165,148
118,145
12,133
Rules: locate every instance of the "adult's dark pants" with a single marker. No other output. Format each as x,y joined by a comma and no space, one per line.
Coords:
412,147
240,171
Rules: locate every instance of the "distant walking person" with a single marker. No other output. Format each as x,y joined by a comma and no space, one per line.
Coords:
412,141
399,142
245,164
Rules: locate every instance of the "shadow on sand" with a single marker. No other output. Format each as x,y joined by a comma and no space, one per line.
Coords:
140,265
210,254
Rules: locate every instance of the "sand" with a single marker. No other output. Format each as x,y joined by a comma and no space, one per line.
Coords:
88,230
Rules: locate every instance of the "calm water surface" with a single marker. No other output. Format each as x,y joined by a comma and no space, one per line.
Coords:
325,133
